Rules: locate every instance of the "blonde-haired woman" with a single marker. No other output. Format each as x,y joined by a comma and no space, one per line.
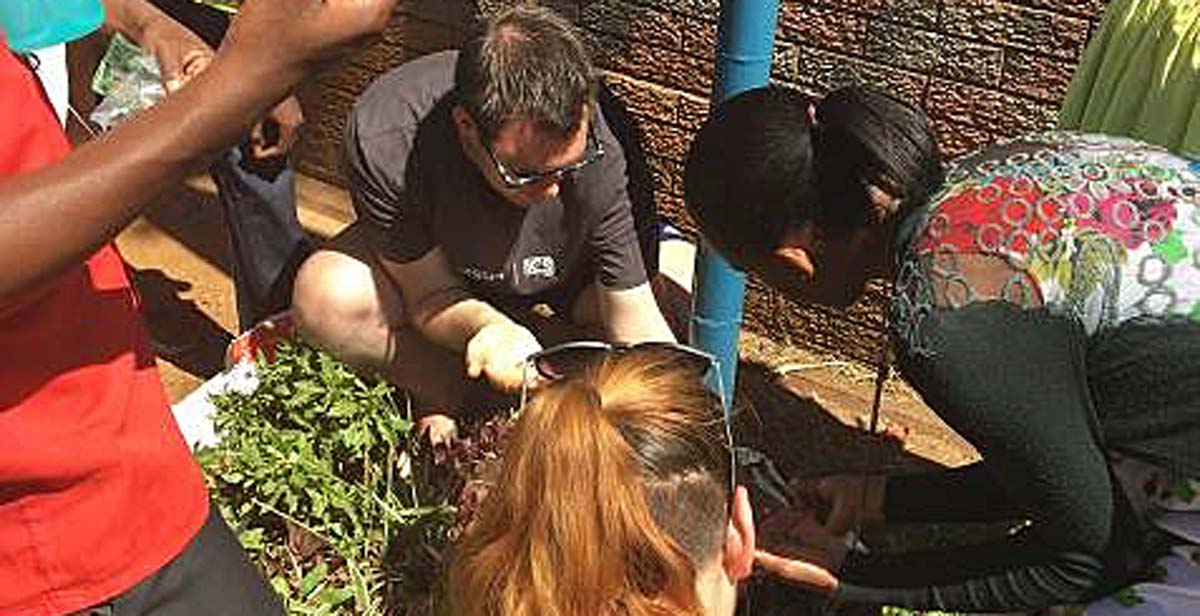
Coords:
615,496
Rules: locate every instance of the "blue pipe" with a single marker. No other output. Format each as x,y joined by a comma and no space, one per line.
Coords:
746,37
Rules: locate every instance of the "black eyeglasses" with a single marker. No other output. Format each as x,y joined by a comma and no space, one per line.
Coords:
573,358
514,180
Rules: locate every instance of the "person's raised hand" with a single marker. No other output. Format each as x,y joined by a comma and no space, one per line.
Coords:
498,351
288,35
181,54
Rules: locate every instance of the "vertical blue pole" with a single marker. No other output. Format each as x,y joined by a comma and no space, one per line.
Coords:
746,37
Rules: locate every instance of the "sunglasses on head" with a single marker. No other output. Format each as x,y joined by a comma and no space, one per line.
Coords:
574,358
514,180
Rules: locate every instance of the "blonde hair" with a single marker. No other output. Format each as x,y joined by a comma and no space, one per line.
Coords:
613,491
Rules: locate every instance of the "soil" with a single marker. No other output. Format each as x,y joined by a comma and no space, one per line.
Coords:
179,258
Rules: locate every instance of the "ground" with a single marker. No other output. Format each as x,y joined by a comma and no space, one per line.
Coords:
179,255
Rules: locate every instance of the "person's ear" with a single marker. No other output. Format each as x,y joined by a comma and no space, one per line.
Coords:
794,251
464,124
884,205
796,258
738,554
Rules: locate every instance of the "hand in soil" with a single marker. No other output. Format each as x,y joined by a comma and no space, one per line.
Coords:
438,430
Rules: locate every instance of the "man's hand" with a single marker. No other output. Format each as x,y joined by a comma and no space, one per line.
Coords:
181,54
797,548
275,134
498,352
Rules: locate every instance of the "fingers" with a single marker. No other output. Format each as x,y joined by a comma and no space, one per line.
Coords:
288,134
366,15
259,151
262,148
439,429
272,137
474,365
797,571
193,63
286,118
840,500
507,376
256,139
534,381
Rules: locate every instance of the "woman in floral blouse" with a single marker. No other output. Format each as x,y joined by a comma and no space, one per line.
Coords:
1046,305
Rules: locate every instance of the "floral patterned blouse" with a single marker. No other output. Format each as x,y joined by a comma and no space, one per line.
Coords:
1102,229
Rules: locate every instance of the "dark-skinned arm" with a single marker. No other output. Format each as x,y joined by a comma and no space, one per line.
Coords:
53,218
1013,382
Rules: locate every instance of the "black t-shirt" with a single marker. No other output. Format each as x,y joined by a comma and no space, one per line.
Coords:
413,185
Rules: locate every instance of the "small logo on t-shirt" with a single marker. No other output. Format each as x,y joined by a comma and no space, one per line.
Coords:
476,274
538,266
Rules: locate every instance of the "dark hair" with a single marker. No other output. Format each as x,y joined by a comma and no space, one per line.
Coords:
525,62
759,165
749,171
865,136
612,494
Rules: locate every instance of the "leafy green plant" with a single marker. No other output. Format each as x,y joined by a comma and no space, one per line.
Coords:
315,470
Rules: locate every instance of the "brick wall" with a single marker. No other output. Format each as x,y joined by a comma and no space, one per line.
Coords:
982,69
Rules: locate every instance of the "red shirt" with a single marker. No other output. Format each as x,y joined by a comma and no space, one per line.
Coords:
97,488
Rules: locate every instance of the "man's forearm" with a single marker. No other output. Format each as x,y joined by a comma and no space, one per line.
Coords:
633,315
458,319
57,216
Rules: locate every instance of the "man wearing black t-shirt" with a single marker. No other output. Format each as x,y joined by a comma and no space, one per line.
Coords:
486,181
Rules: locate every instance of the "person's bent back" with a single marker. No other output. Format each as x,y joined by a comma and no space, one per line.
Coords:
613,498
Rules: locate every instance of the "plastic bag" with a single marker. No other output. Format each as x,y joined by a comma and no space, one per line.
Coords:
129,80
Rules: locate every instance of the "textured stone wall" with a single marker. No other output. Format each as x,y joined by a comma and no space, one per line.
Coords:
982,69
